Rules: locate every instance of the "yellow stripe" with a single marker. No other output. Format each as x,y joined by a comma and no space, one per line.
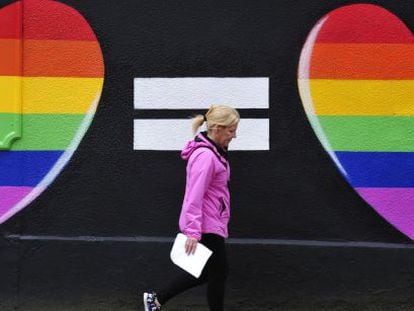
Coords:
10,94
358,97
50,94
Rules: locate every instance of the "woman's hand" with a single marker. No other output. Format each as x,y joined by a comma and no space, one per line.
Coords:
190,246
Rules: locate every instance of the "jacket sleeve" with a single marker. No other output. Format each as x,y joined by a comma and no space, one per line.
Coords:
200,171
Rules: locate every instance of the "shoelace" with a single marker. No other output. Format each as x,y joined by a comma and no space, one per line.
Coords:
151,301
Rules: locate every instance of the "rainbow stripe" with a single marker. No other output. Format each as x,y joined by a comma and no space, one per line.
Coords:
356,81
51,78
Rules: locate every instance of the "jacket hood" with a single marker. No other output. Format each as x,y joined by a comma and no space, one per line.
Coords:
202,141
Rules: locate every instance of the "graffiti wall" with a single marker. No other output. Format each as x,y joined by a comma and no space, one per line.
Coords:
356,85
95,105
51,78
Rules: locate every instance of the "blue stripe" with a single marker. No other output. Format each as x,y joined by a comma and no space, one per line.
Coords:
378,169
25,168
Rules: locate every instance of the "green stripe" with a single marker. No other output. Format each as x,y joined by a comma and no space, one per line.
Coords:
46,131
372,133
10,130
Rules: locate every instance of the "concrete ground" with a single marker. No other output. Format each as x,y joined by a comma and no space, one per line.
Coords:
68,276
185,305
194,300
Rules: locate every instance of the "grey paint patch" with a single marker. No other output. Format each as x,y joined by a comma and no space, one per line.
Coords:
155,239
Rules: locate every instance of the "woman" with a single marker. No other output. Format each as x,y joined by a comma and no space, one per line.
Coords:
206,207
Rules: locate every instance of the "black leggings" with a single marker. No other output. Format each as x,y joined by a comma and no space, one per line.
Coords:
214,274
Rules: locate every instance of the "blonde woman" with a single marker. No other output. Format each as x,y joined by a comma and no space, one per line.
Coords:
205,211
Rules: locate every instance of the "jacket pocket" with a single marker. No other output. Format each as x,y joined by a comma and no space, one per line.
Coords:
222,206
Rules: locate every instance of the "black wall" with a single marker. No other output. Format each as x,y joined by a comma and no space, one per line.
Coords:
291,191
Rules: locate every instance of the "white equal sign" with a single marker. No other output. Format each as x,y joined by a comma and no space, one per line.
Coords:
195,94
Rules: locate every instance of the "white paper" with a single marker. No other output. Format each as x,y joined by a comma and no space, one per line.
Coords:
193,263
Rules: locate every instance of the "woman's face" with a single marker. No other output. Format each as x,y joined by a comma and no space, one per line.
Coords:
223,135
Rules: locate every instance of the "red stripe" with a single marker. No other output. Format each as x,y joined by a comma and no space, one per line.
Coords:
363,23
45,19
10,21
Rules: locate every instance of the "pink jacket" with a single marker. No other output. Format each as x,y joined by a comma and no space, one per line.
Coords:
206,205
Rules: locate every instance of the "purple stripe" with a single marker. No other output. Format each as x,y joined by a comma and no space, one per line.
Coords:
10,196
396,205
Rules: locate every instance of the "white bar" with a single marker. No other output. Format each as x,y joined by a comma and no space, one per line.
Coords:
200,93
173,134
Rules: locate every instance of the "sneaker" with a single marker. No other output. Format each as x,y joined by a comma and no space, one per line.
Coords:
149,302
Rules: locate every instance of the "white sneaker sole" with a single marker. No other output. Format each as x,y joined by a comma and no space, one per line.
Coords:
144,298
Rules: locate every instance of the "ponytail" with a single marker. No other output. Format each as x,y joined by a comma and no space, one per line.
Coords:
197,121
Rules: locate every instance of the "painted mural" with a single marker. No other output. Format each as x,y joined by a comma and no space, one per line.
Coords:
51,77
90,193
192,94
356,83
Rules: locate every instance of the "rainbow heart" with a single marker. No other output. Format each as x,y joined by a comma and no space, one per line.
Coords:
51,78
355,80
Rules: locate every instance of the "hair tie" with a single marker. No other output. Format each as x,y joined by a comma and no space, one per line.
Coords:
204,118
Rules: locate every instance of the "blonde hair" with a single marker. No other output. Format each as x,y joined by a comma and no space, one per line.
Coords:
217,115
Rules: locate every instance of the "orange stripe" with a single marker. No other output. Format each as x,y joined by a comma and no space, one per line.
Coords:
362,61
60,58
51,58
10,57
